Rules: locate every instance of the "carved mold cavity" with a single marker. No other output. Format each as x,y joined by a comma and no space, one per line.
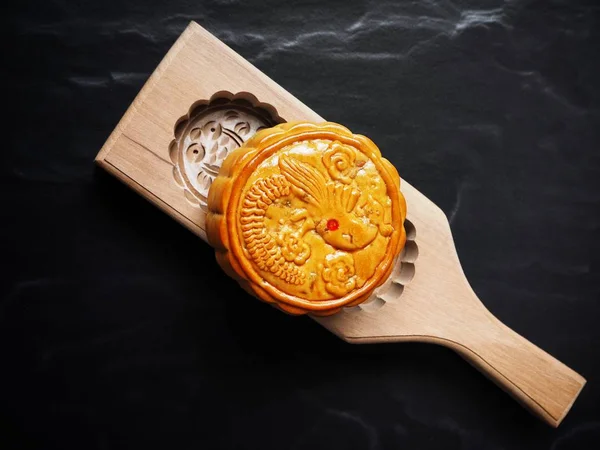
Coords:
402,274
208,133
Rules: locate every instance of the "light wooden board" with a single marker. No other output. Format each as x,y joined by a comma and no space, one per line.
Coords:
196,67
427,298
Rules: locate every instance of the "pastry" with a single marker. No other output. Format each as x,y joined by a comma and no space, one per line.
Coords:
308,217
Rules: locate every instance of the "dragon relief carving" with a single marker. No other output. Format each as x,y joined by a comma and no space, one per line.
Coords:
328,203
266,250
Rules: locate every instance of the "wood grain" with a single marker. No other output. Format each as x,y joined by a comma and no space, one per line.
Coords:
438,306
427,298
195,68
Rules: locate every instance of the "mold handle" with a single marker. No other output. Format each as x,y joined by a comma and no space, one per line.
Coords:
540,382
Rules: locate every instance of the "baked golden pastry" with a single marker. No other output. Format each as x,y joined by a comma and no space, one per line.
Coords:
308,217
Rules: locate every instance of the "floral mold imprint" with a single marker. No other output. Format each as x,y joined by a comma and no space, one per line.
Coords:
308,217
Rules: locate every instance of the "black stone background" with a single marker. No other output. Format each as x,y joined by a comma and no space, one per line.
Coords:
117,328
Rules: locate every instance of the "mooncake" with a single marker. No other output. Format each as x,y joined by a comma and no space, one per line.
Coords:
308,217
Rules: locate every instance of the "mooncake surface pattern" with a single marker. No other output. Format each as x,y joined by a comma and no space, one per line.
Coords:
307,216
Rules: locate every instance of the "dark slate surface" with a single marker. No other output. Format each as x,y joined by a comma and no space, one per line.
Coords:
118,331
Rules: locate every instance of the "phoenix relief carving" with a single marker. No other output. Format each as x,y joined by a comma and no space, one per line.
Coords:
316,217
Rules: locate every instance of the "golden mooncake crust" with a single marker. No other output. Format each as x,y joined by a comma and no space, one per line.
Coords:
307,217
